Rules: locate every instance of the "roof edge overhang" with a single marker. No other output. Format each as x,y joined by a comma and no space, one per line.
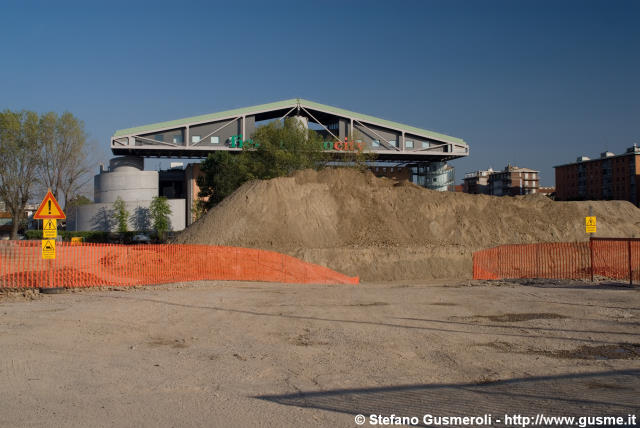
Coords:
290,103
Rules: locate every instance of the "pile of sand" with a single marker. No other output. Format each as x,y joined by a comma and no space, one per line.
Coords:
380,229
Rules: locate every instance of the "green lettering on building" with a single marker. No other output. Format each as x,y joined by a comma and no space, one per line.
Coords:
236,141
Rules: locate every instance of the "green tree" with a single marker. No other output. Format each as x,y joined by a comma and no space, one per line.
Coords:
46,150
19,159
223,174
283,148
160,213
276,150
78,201
63,164
121,215
198,209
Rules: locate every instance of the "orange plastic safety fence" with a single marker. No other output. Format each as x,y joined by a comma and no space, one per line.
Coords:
90,265
617,258
613,258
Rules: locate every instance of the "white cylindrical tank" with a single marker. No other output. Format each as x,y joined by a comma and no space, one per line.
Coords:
126,163
127,179
302,121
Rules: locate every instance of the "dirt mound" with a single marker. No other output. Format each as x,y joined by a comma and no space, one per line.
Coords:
379,229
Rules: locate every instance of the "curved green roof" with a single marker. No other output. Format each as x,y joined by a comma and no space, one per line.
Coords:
280,105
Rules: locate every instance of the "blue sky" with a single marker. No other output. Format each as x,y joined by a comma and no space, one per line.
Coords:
533,83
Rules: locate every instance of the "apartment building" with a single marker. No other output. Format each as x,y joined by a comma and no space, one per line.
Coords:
477,182
511,181
608,177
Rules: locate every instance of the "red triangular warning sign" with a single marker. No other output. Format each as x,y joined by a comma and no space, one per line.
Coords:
49,208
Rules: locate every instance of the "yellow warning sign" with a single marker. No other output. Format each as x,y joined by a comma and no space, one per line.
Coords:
49,208
50,228
76,240
48,249
590,224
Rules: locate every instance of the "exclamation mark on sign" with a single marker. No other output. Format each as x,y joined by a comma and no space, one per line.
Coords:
49,207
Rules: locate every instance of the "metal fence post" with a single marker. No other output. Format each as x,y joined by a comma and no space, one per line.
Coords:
591,257
630,269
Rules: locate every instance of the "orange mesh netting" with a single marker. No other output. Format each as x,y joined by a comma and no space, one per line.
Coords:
86,265
615,258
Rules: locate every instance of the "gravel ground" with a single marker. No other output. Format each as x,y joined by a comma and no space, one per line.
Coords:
253,354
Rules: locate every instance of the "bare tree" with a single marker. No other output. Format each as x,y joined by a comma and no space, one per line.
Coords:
19,160
64,167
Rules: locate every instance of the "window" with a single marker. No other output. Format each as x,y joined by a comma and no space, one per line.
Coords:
408,144
393,143
195,138
375,143
215,140
177,139
159,137
425,144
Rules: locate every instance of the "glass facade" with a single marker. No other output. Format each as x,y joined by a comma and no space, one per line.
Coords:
434,175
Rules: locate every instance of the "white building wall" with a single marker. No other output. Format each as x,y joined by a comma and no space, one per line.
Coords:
125,179
101,217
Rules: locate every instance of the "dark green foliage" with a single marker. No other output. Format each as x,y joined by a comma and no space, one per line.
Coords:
223,173
97,237
121,215
33,234
198,208
284,148
88,236
278,149
77,201
159,211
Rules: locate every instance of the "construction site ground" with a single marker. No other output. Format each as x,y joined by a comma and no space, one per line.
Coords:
263,354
